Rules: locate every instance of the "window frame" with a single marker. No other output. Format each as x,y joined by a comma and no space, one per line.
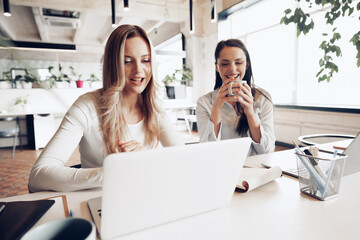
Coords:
224,32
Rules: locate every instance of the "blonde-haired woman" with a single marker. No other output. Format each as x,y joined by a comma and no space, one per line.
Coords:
123,116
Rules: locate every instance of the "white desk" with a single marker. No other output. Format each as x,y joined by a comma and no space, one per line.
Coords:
40,127
181,106
276,210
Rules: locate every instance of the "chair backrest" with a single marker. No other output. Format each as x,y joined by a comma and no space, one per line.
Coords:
323,138
8,119
9,131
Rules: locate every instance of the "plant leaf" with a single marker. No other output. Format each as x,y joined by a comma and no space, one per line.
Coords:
287,11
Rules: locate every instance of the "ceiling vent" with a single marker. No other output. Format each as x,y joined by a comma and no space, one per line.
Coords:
56,18
61,22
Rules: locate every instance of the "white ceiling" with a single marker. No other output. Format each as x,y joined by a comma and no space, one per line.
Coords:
160,18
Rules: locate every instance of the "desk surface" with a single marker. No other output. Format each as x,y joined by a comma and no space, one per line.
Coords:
276,210
178,104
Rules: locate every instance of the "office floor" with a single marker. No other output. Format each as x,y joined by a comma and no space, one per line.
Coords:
14,172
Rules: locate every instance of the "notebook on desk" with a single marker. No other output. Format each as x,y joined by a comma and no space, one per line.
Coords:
153,187
352,163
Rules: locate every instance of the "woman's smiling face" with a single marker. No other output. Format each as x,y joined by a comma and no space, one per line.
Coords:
231,63
137,64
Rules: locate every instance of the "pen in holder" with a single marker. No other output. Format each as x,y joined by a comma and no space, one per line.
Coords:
319,177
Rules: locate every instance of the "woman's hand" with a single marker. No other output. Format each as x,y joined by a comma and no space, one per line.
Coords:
246,100
129,146
222,97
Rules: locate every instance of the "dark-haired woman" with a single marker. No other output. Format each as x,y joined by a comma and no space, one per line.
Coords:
249,112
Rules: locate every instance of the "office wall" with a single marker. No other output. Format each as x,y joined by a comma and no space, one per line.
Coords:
289,124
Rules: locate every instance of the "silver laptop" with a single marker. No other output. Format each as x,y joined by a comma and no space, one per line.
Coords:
153,187
352,163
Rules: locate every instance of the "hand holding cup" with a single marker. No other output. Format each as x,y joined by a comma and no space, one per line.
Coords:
234,87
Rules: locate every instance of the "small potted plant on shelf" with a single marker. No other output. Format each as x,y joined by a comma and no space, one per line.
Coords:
169,82
58,80
17,81
186,75
28,80
181,77
94,81
78,81
6,81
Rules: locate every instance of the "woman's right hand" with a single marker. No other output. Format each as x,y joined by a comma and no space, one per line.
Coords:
129,146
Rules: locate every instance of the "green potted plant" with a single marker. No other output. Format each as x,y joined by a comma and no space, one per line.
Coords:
29,79
169,82
6,81
17,81
57,79
78,81
186,75
181,76
94,81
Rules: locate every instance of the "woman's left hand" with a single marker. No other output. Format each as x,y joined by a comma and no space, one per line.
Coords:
129,146
246,99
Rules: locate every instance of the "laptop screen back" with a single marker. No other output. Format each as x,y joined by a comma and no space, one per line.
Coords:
352,163
152,187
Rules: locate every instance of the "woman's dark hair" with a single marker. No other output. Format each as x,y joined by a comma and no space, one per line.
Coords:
242,125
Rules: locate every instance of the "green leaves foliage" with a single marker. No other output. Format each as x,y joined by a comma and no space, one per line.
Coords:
300,18
183,75
304,23
58,75
356,42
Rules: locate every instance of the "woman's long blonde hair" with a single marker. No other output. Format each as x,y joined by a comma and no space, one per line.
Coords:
113,124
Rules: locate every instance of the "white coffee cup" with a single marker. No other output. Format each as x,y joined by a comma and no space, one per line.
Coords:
67,228
230,88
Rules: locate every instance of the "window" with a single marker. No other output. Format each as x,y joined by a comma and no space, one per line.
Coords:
286,66
344,87
169,56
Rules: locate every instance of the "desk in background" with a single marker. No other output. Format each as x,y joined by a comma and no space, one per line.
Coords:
39,101
181,110
37,128
276,210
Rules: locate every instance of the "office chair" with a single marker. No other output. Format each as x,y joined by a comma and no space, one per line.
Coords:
313,139
14,132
